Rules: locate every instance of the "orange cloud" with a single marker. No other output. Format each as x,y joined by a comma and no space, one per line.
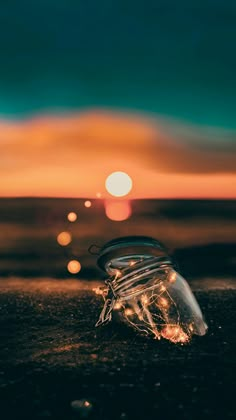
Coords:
71,155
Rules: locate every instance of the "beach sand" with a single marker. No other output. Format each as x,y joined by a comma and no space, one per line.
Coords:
56,364
52,355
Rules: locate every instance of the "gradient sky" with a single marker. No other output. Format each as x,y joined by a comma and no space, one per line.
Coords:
170,62
175,58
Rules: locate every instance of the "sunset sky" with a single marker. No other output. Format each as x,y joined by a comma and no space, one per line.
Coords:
94,87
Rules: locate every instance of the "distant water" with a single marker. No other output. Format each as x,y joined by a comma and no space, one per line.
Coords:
199,234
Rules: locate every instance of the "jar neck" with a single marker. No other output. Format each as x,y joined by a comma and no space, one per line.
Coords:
137,278
122,252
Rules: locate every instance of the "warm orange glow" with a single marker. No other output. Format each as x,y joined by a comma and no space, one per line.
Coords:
99,291
144,300
73,266
119,184
118,210
128,312
71,155
117,305
118,274
87,204
98,195
72,216
132,263
172,277
64,238
164,302
175,334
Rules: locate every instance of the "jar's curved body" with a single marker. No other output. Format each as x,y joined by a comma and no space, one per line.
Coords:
149,294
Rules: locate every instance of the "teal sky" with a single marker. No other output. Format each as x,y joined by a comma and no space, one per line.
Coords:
172,58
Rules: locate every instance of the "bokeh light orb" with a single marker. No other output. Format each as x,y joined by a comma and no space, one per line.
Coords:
64,238
74,266
72,216
87,203
118,184
118,210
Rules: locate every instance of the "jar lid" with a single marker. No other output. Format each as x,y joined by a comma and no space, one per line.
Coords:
130,246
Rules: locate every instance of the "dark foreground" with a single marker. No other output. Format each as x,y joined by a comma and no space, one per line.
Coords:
52,357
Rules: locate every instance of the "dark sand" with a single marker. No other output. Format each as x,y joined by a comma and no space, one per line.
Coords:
50,352
51,355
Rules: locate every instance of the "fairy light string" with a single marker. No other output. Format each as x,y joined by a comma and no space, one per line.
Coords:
140,293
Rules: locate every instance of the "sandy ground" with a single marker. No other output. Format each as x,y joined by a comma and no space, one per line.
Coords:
55,364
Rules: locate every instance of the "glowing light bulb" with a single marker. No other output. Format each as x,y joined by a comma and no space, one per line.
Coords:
148,293
117,305
128,312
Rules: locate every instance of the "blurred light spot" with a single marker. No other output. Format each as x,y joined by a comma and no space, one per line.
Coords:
72,216
64,238
117,305
100,291
144,299
175,334
172,277
118,184
73,266
82,407
87,203
118,273
164,302
118,210
128,312
98,195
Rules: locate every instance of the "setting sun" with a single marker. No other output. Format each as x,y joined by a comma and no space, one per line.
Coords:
119,184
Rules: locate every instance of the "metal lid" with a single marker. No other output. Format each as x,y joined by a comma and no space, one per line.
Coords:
130,246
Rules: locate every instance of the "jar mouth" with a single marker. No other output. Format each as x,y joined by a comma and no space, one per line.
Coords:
123,252
133,280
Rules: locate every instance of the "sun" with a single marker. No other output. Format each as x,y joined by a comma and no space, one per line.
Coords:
118,184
